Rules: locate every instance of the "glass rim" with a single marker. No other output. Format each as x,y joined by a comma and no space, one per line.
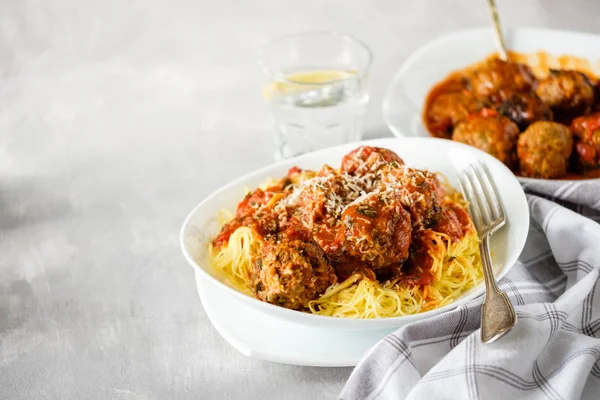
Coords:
281,77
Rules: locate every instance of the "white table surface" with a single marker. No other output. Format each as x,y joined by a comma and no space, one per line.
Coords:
116,118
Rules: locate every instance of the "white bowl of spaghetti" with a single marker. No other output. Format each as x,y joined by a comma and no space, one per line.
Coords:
369,235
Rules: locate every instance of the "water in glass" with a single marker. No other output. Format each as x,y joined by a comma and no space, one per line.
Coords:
312,109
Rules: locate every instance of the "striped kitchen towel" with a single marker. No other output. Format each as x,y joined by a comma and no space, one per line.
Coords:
554,350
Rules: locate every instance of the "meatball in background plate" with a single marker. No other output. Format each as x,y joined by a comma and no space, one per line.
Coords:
448,109
566,92
524,109
496,76
544,150
586,131
490,132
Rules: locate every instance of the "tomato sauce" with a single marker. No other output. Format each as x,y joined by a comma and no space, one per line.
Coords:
451,84
347,266
250,214
592,174
329,239
346,229
456,82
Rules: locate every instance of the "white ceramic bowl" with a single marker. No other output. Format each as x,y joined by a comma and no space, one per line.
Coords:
437,155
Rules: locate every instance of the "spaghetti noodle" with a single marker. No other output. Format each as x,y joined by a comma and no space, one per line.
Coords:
348,244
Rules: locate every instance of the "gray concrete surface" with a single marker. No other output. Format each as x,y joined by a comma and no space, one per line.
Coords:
116,118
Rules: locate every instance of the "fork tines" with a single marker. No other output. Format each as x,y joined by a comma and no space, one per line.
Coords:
484,203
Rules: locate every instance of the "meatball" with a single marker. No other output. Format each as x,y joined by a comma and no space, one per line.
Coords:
544,150
454,222
367,159
417,190
524,109
291,270
318,204
496,76
596,106
321,199
377,230
490,132
586,131
447,110
566,92
252,212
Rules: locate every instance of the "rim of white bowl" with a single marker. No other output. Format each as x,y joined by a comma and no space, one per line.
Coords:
349,323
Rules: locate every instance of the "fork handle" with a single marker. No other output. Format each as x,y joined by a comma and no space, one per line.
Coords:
497,313
497,30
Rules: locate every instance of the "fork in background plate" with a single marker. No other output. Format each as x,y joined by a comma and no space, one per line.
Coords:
497,313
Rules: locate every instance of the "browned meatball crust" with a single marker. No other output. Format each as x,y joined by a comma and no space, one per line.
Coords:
318,205
524,108
492,133
291,270
596,105
448,109
566,92
419,192
586,130
496,76
377,230
366,159
544,150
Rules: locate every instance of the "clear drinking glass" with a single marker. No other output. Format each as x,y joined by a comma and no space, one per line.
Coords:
316,90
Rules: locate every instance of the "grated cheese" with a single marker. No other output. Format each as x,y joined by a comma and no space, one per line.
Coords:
338,190
341,191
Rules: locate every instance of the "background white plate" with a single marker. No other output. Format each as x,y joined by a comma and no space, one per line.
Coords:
436,155
404,100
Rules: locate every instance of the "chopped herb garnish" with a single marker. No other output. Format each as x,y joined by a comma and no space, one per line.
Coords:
367,212
287,182
375,234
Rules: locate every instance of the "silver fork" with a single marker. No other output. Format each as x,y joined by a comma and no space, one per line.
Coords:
497,30
497,313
